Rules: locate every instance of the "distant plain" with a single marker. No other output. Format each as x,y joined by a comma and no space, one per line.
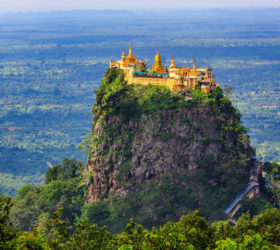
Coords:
51,63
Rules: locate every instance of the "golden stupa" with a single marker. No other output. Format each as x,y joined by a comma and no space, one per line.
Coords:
130,58
157,67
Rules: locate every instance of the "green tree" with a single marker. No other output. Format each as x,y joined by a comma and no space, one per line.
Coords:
63,189
8,233
228,91
70,168
271,178
89,236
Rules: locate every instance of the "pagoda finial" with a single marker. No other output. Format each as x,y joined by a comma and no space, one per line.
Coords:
130,58
172,65
130,50
123,55
194,68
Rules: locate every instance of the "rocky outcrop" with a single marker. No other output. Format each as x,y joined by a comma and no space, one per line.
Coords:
129,154
156,155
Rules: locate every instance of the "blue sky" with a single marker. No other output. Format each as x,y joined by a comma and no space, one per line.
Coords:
46,5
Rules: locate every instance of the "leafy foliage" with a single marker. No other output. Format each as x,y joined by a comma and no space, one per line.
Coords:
96,212
191,232
63,188
7,232
69,169
271,181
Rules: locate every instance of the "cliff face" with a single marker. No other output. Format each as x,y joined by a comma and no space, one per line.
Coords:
164,153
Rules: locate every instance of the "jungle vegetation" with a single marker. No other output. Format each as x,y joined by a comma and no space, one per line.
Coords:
191,232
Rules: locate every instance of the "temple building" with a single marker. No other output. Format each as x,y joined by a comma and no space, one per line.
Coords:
174,78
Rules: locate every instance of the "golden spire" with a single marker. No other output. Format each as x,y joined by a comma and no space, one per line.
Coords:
130,58
123,55
194,72
194,68
172,65
157,65
130,51
158,58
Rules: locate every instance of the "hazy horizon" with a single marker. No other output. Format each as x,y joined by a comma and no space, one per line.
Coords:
68,5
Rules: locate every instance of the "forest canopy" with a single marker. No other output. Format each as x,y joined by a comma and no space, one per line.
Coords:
191,232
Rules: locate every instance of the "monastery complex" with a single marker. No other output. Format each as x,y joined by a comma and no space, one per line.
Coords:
174,78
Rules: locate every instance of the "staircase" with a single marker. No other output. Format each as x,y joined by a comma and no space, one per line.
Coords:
255,171
238,198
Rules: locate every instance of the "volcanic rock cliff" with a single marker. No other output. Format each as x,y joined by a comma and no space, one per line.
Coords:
155,155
